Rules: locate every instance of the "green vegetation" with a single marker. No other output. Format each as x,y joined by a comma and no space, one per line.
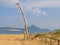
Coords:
58,31
39,35
55,34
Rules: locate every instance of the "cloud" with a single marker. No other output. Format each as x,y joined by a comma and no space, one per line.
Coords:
39,3
37,11
44,13
8,3
33,5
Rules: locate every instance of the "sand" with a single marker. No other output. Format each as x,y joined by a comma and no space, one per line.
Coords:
17,39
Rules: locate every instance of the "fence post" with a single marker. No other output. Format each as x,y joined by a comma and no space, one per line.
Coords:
42,38
50,41
58,42
45,40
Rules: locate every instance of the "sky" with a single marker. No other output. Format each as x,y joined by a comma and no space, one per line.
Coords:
44,14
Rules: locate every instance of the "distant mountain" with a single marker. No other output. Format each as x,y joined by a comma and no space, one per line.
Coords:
32,29
11,30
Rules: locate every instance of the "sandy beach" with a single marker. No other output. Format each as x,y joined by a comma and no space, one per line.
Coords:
11,39
17,39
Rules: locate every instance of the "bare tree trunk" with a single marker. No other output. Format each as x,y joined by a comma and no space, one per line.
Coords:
24,17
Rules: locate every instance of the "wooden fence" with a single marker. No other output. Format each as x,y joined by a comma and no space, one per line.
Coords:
45,39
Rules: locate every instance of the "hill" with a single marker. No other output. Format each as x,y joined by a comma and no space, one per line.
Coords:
32,29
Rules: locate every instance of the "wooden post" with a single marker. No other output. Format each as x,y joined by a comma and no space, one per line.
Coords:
58,42
50,41
42,38
45,40
24,35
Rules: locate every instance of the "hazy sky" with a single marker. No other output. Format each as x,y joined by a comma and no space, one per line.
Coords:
42,13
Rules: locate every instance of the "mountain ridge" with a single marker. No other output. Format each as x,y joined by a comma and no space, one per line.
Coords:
32,29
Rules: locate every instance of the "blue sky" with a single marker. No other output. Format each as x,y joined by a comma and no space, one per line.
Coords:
42,13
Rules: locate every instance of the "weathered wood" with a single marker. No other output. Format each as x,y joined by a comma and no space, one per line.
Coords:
24,17
45,40
58,42
50,41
